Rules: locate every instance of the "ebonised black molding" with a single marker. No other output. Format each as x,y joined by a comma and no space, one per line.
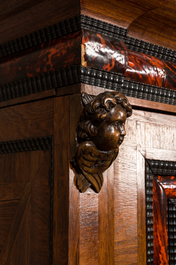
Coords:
84,22
149,213
90,76
50,142
172,230
33,144
162,168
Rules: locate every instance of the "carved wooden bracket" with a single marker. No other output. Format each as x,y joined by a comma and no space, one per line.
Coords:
100,131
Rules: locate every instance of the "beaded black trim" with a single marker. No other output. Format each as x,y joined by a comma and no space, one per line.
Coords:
172,230
51,140
158,167
33,144
90,76
149,213
129,88
84,22
35,38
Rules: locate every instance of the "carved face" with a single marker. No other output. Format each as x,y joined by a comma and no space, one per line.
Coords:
111,131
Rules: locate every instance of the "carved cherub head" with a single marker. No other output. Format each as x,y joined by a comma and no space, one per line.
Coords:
103,119
100,132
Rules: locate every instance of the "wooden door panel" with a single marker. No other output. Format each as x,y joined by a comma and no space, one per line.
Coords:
25,121
25,220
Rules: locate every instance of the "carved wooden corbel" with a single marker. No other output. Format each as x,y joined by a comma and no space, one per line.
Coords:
100,131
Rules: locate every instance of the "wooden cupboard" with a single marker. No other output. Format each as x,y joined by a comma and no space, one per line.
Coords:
44,219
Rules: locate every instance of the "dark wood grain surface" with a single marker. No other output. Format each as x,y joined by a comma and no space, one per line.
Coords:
23,17
22,121
25,208
149,21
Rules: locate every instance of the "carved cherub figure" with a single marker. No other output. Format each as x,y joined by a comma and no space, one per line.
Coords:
100,132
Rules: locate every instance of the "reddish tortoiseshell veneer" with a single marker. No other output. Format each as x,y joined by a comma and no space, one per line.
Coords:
164,187
89,49
57,53
106,53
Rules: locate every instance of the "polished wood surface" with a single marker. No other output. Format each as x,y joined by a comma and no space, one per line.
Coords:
20,18
25,208
156,26
105,53
25,184
58,53
149,21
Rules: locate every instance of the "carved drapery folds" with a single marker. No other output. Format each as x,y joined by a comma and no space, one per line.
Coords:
100,132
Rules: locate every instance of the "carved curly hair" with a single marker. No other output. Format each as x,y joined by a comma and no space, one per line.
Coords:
95,111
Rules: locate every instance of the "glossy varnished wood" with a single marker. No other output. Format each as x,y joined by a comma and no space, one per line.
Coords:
150,27
61,181
25,208
26,13
144,20
53,55
28,116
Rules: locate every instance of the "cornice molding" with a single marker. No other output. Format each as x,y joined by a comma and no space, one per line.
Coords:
84,22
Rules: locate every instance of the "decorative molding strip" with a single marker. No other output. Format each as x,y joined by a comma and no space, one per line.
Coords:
46,81
50,140
100,132
162,168
84,22
41,36
172,230
129,88
90,76
102,27
33,144
149,212
103,53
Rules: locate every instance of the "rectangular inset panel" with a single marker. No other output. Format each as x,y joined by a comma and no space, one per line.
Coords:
25,205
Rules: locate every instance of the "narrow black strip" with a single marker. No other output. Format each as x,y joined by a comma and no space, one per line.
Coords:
32,144
51,202
84,22
41,36
90,76
172,230
162,168
149,213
